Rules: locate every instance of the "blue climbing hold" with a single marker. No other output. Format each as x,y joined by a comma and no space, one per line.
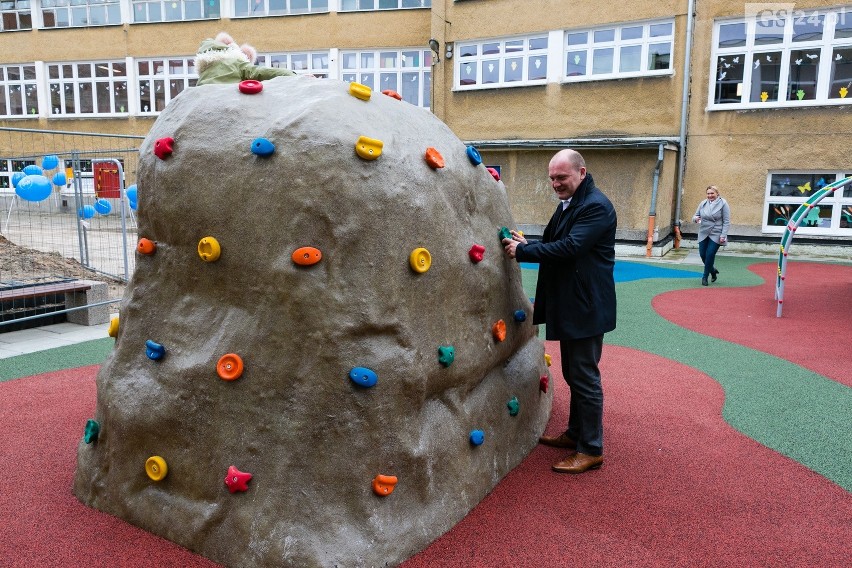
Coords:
520,315
473,156
446,355
154,350
514,406
92,431
262,147
363,377
477,437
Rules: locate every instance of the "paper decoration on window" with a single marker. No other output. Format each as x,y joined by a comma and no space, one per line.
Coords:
490,67
467,69
800,94
843,92
514,65
821,183
576,60
756,63
806,187
537,63
763,96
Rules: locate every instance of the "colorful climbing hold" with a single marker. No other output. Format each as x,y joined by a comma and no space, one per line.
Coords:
209,249
494,173
514,406
520,316
262,147
505,233
113,327
92,431
420,260
543,383
434,158
384,485
164,147
146,246
392,94
477,437
548,359
446,355
156,468
237,480
306,256
360,91
154,350
250,87
473,156
363,376
476,253
368,148
230,367
498,330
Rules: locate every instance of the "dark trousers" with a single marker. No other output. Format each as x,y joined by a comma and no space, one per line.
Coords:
707,250
580,358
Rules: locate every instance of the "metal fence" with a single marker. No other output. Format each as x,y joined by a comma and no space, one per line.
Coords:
65,215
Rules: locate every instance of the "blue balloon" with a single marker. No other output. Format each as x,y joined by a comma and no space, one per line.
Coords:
103,206
33,170
133,204
132,196
17,177
49,162
34,188
86,212
59,179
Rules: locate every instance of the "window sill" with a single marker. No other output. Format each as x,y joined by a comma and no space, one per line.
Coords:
779,105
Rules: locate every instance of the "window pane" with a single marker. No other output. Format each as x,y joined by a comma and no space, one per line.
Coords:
765,75
388,60
602,61
427,87
732,35
769,30
537,68
368,60
411,88
192,9
796,185
388,81
578,38
319,61
514,46
576,63
411,59
350,61
538,43
467,75
729,78
661,30
468,51
659,56
631,58
367,79
843,26
634,32
103,97
299,62
83,70
490,71
804,67
841,73
604,35
808,28
513,70
490,48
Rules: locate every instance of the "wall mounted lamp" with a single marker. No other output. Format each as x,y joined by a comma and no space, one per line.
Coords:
436,49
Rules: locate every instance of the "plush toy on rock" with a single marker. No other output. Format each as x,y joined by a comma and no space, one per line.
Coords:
221,60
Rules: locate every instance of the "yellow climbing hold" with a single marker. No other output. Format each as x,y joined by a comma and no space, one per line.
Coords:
547,359
420,260
368,148
209,249
156,468
113,327
360,91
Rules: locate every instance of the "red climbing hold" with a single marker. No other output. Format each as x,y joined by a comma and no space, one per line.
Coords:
476,253
163,147
392,94
494,173
237,480
250,87
543,383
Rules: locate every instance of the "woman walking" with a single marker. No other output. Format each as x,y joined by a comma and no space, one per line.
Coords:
714,217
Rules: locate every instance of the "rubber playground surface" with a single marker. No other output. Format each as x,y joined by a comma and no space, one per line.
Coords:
728,441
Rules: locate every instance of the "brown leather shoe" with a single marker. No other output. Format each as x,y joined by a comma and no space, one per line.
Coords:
560,441
578,463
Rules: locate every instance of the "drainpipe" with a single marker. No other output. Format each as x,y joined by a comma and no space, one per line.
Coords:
690,15
652,214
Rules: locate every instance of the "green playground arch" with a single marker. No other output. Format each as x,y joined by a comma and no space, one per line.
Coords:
790,231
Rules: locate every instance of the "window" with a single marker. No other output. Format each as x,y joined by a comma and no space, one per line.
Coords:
174,10
98,88
16,15
314,63
510,62
80,13
278,7
161,80
786,192
782,58
408,72
353,5
19,96
628,50
8,168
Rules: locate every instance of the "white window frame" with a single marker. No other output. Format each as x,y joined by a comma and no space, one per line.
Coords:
62,83
162,77
19,13
365,73
316,62
837,202
619,42
826,46
279,7
23,84
162,5
376,5
85,6
477,60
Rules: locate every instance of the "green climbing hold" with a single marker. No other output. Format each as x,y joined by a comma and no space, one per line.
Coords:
514,406
446,355
505,233
92,431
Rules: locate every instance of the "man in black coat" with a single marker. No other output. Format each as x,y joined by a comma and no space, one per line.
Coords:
575,299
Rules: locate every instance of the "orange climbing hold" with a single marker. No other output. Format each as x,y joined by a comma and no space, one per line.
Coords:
384,484
146,246
498,330
392,94
434,158
230,367
306,256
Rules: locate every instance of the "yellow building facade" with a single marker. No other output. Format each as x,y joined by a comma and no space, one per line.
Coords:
662,98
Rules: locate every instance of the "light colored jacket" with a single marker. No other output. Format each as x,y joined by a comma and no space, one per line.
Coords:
715,220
